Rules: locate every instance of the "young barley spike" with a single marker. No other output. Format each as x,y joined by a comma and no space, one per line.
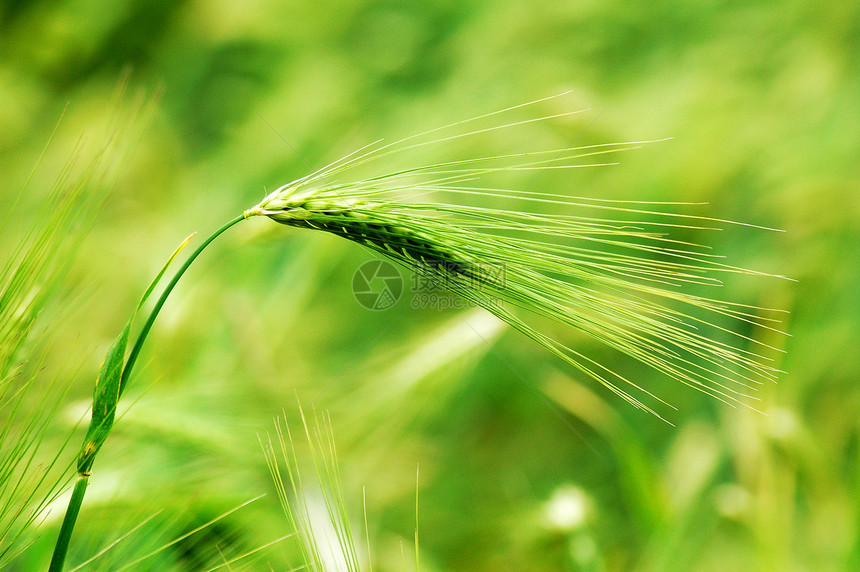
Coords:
612,270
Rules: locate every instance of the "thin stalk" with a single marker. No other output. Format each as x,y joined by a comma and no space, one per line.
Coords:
61,548
138,344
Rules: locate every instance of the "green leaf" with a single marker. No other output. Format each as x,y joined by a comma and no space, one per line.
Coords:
158,277
109,382
105,398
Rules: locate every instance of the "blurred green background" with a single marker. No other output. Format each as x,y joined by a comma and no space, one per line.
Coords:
761,100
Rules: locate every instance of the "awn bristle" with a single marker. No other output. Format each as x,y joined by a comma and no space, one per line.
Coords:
618,280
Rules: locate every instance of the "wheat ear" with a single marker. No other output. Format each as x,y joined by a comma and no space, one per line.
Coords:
611,269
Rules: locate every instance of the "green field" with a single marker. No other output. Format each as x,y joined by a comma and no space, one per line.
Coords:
518,461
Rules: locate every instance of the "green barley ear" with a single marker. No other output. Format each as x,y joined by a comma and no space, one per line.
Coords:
610,269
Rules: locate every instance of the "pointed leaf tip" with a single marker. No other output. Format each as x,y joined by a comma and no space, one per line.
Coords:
161,272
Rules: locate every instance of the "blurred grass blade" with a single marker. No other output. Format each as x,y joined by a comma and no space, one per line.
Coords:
301,500
190,533
32,287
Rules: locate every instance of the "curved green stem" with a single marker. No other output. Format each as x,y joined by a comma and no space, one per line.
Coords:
62,545
61,548
138,344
